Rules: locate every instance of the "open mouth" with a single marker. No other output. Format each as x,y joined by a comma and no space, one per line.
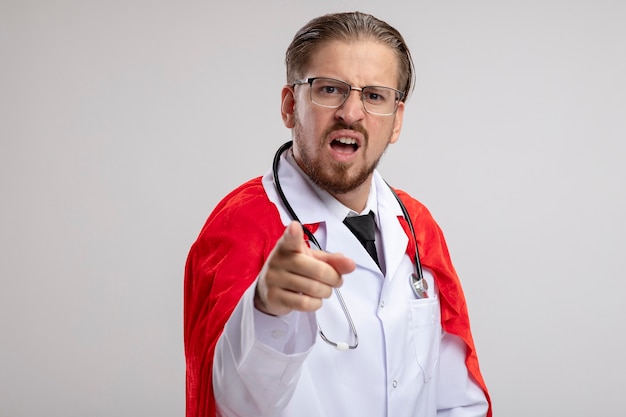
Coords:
344,145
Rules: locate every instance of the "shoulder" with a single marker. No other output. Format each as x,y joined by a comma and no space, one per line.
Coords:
248,197
420,215
430,238
246,203
244,212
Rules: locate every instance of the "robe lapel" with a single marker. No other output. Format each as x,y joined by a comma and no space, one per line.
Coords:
394,238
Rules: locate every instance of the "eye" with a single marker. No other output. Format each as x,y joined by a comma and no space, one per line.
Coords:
325,87
376,95
373,97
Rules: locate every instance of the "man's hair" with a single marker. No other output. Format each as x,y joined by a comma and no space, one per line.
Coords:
348,27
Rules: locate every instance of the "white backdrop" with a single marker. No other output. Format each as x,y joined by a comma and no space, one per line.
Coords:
122,123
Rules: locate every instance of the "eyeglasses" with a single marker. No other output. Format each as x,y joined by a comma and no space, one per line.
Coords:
331,93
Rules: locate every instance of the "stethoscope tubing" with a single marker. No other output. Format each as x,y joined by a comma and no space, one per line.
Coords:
418,284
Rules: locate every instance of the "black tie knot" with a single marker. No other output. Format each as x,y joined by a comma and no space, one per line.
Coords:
364,228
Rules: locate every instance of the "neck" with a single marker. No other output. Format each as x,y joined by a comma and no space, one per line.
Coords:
356,199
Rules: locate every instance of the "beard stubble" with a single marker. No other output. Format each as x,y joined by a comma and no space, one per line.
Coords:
333,178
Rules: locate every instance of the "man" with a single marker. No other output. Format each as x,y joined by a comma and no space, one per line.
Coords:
258,284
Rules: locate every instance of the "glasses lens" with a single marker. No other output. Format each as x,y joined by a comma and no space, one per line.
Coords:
380,100
329,93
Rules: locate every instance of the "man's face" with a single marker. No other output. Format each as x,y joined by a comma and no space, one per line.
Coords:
339,148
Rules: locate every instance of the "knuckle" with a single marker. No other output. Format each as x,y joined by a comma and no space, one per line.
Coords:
327,292
310,303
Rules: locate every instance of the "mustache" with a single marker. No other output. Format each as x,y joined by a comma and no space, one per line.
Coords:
342,126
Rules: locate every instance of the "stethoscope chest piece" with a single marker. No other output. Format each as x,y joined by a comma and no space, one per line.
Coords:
419,286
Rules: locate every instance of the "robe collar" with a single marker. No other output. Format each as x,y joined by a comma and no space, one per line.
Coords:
301,193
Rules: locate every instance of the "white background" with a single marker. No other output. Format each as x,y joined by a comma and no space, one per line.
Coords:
122,123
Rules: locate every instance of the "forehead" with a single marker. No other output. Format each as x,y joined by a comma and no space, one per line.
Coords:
363,62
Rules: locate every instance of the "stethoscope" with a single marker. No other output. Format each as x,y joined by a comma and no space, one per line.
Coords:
416,279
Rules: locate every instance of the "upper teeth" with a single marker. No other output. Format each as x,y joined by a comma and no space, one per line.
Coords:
347,141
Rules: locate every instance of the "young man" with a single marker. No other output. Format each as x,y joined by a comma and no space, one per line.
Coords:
268,332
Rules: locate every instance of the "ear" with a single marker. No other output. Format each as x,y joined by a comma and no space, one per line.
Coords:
287,106
397,123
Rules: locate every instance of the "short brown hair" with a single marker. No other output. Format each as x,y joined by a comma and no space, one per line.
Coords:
347,27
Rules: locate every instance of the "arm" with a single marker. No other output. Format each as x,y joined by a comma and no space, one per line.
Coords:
258,359
259,356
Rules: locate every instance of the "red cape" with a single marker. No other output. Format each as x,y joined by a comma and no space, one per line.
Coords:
233,245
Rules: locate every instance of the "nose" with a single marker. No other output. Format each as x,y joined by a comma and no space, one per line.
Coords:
352,110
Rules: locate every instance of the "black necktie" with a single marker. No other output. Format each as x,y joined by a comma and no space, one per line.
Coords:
364,228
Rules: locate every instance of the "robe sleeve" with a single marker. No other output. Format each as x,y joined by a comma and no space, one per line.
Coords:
435,256
222,263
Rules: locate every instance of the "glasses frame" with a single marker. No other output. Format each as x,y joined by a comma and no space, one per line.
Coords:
309,81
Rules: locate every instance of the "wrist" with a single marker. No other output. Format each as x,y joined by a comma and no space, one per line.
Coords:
259,304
